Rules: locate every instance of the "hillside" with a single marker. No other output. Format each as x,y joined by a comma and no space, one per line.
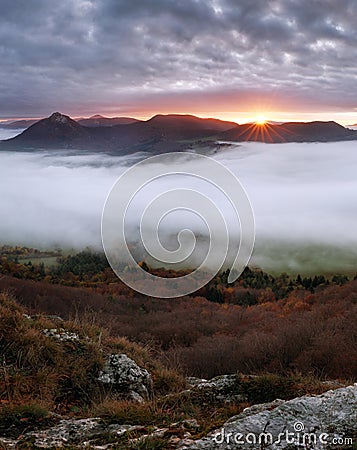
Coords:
69,376
159,134
290,132
100,121
68,384
18,123
57,131
274,321
184,122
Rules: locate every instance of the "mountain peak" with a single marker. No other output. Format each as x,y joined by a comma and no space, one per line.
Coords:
97,116
59,118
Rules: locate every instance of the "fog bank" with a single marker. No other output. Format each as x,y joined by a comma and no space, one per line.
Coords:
303,197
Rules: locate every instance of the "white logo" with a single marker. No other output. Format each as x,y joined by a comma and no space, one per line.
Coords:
299,426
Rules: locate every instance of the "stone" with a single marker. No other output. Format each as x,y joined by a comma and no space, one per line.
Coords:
193,381
221,389
255,409
60,334
126,376
68,431
6,443
73,432
320,422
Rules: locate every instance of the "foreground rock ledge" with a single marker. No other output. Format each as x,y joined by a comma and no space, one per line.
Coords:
327,421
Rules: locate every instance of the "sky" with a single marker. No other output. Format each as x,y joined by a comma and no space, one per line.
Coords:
231,59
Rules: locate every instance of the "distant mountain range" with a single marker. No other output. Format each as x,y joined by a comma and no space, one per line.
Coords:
100,121
163,133
17,124
291,132
93,121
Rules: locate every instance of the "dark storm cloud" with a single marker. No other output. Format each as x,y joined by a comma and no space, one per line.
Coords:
86,55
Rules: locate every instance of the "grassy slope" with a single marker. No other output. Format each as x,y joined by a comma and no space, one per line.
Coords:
41,376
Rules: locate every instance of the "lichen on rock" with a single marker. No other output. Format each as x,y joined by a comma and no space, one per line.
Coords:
324,420
126,376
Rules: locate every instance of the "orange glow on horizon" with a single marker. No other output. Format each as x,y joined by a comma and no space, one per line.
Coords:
264,132
260,120
257,116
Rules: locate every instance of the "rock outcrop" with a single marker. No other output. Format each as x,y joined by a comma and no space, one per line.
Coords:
322,422
71,432
221,389
94,433
60,334
126,376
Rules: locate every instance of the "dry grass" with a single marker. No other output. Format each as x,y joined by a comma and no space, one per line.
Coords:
36,367
40,374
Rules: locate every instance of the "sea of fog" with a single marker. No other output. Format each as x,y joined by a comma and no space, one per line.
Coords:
8,133
304,198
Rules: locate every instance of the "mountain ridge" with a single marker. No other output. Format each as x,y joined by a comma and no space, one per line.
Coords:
21,123
316,131
162,133
101,121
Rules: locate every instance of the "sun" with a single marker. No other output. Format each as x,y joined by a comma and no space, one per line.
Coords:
260,120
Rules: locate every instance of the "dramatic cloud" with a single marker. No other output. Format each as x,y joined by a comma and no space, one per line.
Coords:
135,56
303,197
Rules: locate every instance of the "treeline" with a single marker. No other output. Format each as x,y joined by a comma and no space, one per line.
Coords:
19,251
91,269
260,323
308,333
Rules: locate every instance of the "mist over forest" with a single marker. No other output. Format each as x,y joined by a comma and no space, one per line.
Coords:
303,198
